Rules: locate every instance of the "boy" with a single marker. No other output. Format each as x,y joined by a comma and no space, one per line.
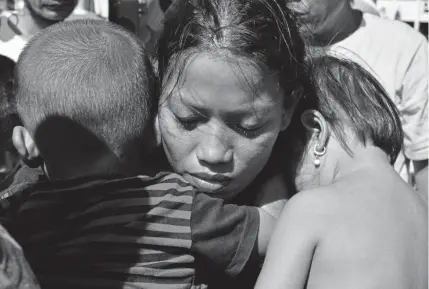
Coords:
355,223
85,93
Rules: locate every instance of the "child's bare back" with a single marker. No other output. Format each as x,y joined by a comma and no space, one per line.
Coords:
375,233
367,230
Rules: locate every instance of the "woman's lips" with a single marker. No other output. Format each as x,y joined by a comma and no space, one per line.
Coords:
209,182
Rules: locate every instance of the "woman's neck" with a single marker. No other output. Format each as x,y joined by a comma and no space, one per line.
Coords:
29,23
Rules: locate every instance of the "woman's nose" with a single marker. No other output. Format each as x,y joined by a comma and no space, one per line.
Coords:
214,150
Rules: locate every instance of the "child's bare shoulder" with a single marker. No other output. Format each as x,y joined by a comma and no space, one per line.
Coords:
314,201
314,207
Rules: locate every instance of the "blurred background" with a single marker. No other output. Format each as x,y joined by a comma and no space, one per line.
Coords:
413,12
144,16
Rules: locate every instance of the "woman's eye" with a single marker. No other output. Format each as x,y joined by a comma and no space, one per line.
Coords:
188,123
248,131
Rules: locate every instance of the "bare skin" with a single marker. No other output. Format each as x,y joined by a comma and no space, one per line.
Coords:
346,229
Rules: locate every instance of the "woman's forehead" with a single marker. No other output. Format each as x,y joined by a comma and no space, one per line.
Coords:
222,70
224,83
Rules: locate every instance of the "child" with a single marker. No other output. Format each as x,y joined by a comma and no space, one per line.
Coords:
86,95
355,223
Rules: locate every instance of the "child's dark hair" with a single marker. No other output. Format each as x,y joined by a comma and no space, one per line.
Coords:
92,72
351,98
262,31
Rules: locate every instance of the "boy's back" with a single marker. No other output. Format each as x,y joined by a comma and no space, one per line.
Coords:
133,232
375,233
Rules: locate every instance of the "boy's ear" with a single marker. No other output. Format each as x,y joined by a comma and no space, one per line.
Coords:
24,144
157,130
316,124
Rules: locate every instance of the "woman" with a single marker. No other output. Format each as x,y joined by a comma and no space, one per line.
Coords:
232,73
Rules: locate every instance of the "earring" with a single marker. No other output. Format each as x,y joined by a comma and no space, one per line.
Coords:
318,154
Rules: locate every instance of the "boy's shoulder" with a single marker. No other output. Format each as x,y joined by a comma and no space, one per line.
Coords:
164,186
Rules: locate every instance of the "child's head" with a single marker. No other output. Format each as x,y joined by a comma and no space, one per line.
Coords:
356,106
353,113
84,88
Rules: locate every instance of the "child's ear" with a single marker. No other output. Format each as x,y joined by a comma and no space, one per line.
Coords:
316,124
157,130
24,144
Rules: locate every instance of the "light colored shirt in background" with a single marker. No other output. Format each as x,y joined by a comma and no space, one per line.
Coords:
397,55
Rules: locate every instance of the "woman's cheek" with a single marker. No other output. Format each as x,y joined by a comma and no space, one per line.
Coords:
178,148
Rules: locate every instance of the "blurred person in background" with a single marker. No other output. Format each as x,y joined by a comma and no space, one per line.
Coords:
397,56
366,6
82,11
8,118
30,16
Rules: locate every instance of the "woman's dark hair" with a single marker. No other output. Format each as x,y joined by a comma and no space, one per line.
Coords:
351,98
263,31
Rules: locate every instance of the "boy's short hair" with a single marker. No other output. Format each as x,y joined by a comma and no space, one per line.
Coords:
92,72
350,98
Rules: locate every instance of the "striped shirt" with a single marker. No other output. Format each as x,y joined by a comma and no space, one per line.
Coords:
137,232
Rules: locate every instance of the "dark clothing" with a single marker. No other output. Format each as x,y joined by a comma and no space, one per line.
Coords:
137,232
14,184
219,280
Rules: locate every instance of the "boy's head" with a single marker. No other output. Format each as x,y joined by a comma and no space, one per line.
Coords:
355,106
84,88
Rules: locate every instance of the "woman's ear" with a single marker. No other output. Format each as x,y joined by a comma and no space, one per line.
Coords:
24,144
316,124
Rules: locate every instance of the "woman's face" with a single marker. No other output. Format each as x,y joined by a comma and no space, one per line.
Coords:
219,119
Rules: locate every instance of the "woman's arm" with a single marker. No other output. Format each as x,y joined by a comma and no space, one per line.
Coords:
292,245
